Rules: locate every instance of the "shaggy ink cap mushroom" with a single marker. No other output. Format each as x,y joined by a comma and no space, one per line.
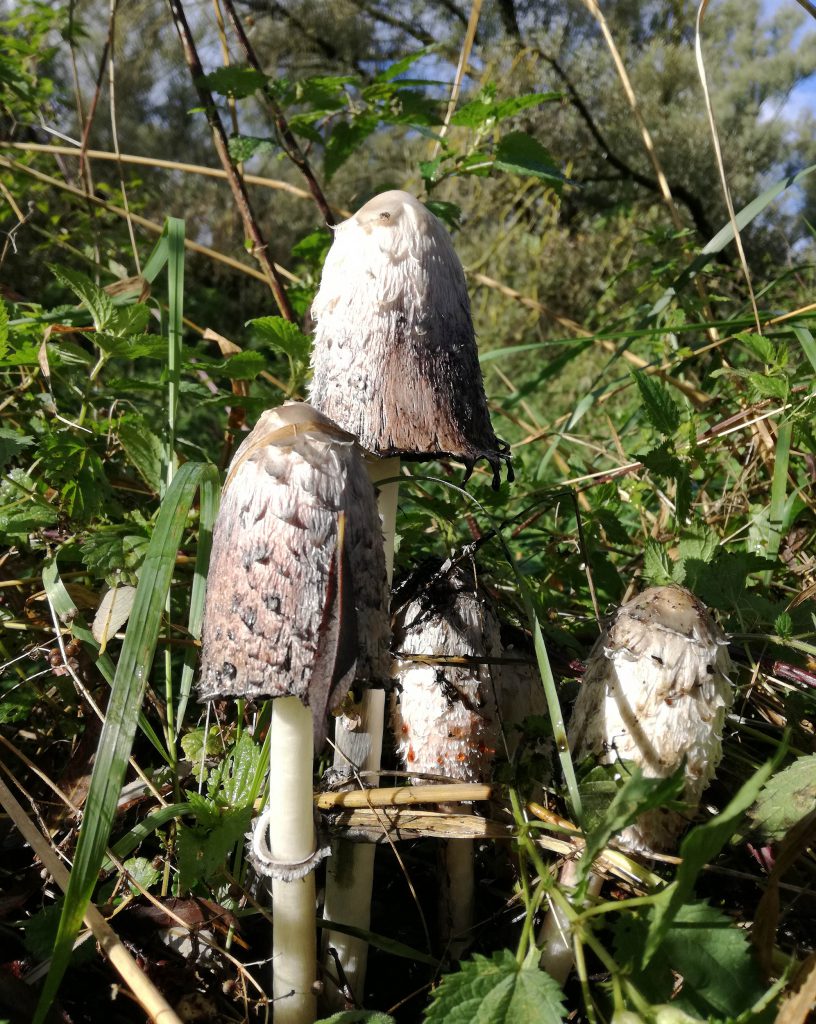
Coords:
296,594
395,358
655,692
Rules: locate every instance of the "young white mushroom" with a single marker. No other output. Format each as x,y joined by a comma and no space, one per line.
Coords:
395,363
655,692
443,715
295,610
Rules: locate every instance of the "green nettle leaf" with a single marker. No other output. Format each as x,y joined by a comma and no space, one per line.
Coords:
283,336
128,320
234,81
244,365
242,147
95,299
661,409
11,443
193,745
143,449
450,213
520,153
142,873
231,782
700,845
786,799
475,114
657,567
343,141
513,106
763,348
714,959
202,852
497,990
23,509
783,625
776,387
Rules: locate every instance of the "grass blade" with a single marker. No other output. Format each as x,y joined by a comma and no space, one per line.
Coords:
122,716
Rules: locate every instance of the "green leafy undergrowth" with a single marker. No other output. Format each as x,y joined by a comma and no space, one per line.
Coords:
497,990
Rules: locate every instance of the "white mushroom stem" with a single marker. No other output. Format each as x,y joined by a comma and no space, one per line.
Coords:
292,840
350,871
555,938
458,904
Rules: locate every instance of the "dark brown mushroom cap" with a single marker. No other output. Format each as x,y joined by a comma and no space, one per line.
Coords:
655,692
296,600
395,359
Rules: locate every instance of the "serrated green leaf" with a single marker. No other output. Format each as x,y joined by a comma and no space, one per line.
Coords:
23,509
11,443
519,153
192,743
283,336
243,147
235,81
497,991
703,948
475,114
661,409
97,301
129,320
514,105
700,845
142,873
657,567
344,140
776,387
143,449
401,66
232,781
785,799
202,853
449,213
760,346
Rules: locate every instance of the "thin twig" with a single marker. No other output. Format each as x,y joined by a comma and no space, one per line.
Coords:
288,140
115,133
259,246
464,56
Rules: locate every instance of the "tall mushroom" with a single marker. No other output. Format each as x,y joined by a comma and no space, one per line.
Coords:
295,610
396,364
655,693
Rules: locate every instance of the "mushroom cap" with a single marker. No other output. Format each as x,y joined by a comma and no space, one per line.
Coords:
296,601
444,716
395,358
655,692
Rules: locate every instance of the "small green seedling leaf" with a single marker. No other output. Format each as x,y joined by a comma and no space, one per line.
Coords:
282,336
142,873
498,990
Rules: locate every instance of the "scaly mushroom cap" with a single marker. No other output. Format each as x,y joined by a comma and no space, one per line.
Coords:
444,716
395,359
656,691
296,599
